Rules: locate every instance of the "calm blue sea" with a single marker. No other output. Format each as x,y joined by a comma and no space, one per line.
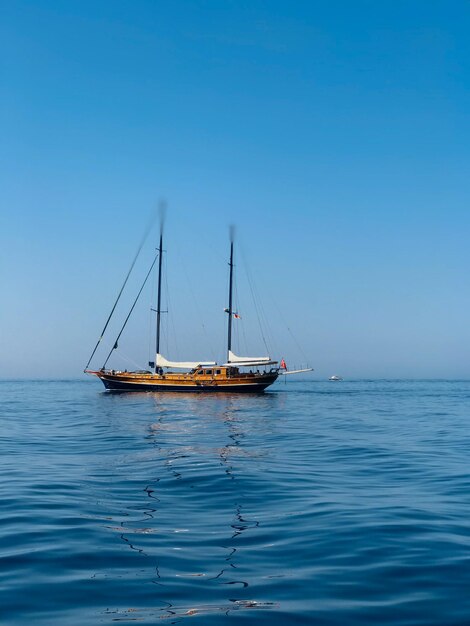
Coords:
316,503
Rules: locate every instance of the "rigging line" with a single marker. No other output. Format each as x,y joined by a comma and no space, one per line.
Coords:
235,330
223,323
262,317
247,350
141,245
196,305
151,338
267,325
257,308
170,318
297,343
240,325
129,314
265,321
149,334
128,358
169,337
171,341
279,310
235,309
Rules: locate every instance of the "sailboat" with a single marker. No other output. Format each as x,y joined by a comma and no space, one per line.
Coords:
238,374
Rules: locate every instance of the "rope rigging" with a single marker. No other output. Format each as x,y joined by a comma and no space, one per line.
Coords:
170,318
127,358
141,245
151,325
240,326
195,304
263,319
130,312
259,312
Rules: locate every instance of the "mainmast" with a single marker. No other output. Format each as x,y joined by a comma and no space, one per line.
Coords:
159,296
229,339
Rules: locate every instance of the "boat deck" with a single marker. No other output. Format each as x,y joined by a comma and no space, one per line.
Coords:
214,379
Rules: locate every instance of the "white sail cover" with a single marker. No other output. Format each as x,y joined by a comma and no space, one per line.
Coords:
233,358
248,361
183,365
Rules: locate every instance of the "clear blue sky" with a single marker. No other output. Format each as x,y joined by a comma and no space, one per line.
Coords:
334,134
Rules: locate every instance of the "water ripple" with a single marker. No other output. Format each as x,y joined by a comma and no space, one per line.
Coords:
311,504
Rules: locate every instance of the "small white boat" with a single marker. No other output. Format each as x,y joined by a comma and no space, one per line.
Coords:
335,378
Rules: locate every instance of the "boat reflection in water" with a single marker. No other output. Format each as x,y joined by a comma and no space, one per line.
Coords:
197,527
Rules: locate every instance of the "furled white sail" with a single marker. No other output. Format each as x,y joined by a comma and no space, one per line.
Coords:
183,365
248,361
233,358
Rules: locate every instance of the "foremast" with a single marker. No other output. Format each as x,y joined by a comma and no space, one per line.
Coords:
230,303
159,297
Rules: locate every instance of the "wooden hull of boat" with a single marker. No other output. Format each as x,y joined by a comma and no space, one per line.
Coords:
129,382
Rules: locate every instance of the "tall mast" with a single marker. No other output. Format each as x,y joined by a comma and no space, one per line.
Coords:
229,339
159,295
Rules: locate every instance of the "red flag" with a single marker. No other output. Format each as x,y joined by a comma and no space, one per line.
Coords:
283,365
236,316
